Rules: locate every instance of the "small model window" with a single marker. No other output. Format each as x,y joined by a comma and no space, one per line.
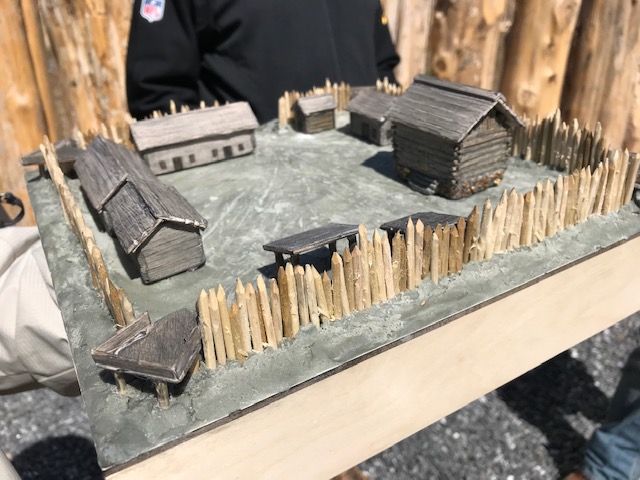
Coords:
241,147
163,164
214,153
228,153
192,159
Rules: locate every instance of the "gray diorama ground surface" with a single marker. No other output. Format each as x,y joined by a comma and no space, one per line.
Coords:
534,427
292,183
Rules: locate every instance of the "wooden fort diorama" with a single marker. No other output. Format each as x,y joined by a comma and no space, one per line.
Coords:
154,224
315,114
369,111
198,137
451,139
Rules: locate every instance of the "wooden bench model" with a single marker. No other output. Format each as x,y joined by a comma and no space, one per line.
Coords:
67,151
431,219
311,240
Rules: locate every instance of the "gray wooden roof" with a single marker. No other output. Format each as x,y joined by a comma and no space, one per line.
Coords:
139,207
193,126
104,167
447,109
316,103
371,104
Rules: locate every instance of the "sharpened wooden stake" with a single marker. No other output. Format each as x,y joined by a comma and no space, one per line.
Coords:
127,309
358,281
584,184
512,205
410,248
303,305
283,287
471,235
419,236
364,249
206,330
562,218
445,238
632,174
348,277
328,295
540,215
602,188
373,276
516,224
321,298
399,263
434,268
312,297
243,317
571,216
114,302
593,189
227,329
236,330
485,242
254,318
276,309
624,166
265,309
528,213
162,392
612,184
340,299
557,203
426,252
217,329
379,265
388,266
498,224
292,295
454,251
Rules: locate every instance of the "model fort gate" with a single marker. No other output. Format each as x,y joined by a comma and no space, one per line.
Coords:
451,139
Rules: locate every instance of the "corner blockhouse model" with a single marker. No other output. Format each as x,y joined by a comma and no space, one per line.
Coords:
198,137
451,139
153,223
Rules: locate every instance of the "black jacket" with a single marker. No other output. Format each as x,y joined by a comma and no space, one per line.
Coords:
252,50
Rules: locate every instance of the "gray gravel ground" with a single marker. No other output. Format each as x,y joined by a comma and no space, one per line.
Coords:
535,427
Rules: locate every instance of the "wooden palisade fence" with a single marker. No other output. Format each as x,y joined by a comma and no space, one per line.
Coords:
594,180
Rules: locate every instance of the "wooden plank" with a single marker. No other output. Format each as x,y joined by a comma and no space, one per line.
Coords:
309,422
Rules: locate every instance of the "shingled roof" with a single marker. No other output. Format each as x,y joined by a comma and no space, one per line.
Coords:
140,207
371,104
192,126
316,103
446,109
104,167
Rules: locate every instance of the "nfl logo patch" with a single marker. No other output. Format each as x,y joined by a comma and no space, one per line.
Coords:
152,10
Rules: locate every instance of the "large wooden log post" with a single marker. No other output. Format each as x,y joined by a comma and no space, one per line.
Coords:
632,141
410,23
467,40
602,66
22,116
537,55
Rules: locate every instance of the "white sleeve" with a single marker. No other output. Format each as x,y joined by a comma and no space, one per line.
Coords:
34,350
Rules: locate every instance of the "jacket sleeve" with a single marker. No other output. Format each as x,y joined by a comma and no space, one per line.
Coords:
163,59
386,56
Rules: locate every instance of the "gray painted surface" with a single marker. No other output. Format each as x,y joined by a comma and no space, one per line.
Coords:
293,182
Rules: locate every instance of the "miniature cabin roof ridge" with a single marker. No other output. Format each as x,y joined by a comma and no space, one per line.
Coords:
104,167
448,110
157,204
193,126
372,104
316,103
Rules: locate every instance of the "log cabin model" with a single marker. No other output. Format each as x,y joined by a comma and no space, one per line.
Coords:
369,111
198,137
315,114
154,224
451,139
